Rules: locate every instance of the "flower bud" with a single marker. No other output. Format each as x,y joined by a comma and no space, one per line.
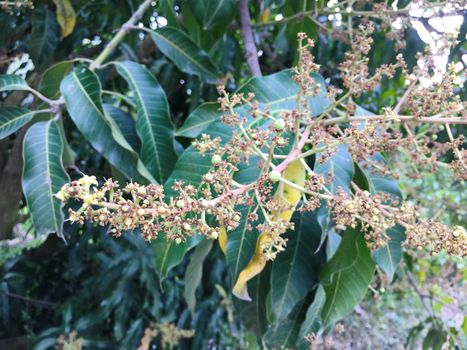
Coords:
178,240
279,124
180,203
216,159
275,176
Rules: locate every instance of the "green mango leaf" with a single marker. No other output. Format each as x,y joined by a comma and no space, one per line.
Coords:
43,176
186,54
340,165
209,13
52,77
13,82
82,92
199,120
434,339
153,123
12,119
194,272
125,123
312,322
45,36
283,334
295,270
346,277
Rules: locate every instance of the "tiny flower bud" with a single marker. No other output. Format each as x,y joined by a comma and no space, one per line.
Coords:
216,159
180,203
274,176
161,209
186,226
125,208
141,191
208,177
280,141
215,234
279,124
141,212
178,240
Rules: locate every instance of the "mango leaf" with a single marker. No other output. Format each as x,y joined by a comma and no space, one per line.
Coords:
43,176
186,54
52,77
13,118
346,277
153,124
82,92
199,120
340,166
44,36
125,123
312,322
283,334
194,272
209,13
295,270
66,16
13,82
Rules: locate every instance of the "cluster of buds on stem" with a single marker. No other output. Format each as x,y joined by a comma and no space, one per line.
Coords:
276,143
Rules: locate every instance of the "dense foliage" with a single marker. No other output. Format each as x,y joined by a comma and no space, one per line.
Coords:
201,174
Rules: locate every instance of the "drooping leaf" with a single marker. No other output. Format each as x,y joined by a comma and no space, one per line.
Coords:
312,322
66,16
44,36
209,13
43,176
340,165
199,120
125,123
52,77
153,124
13,82
346,277
194,272
13,118
186,54
295,270
82,92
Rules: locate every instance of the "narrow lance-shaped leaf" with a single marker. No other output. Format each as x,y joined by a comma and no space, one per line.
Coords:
125,123
312,322
43,176
153,124
194,272
295,270
346,277
13,118
186,54
52,77
66,16
12,82
82,92
44,36
209,13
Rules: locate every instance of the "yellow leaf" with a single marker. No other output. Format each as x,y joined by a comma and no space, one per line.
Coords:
223,240
285,194
264,16
66,16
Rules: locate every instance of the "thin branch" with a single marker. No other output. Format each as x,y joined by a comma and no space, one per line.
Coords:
251,54
124,29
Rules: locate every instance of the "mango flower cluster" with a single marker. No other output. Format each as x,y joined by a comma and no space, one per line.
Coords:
283,147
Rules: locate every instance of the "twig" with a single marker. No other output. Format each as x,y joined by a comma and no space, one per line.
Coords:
251,53
30,300
124,29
